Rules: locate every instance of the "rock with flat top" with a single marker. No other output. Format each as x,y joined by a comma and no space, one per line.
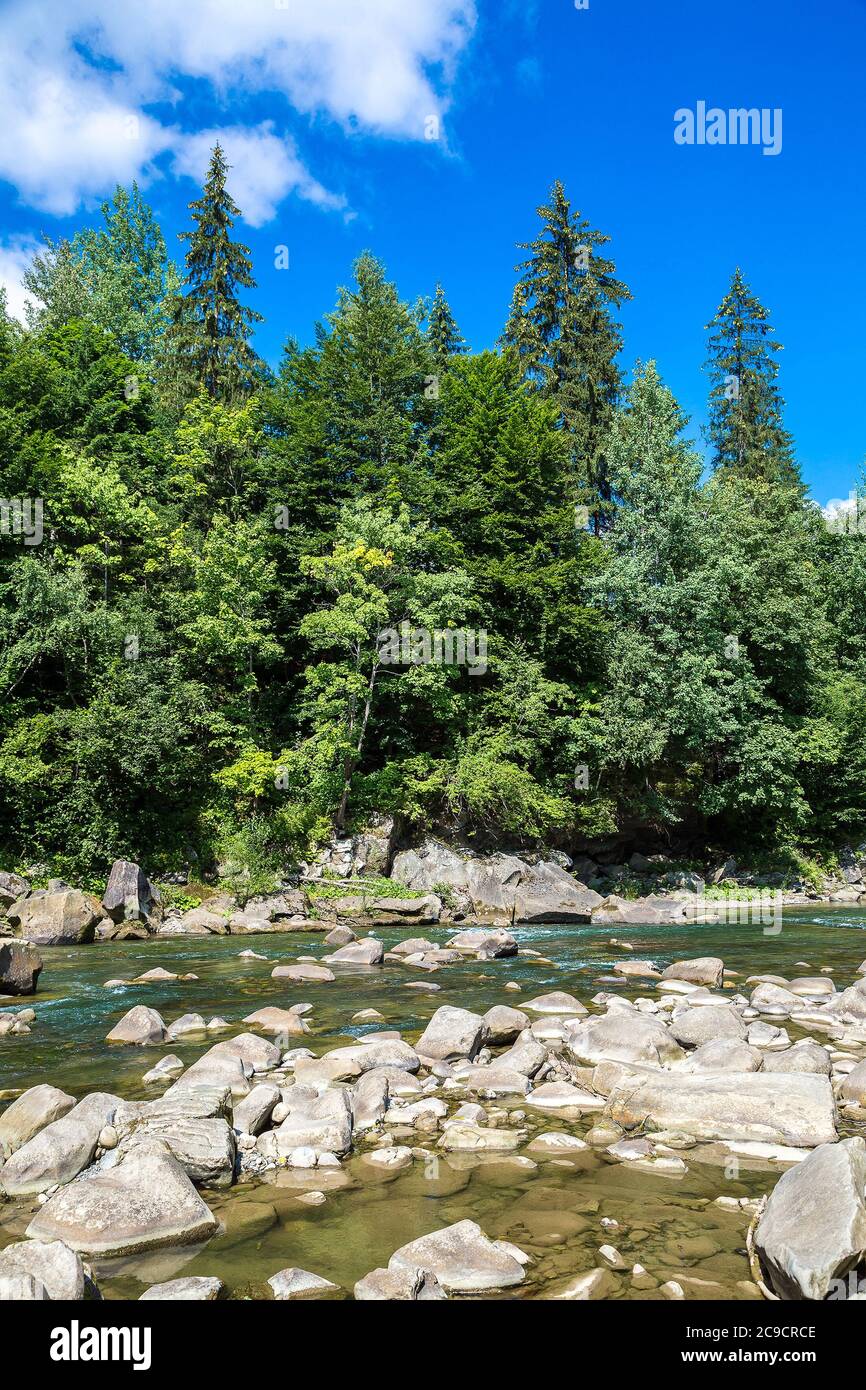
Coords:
796,1110
63,918
701,970
144,1202
196,1288
399,1285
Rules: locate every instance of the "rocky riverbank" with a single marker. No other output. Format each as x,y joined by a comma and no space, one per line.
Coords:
666,1073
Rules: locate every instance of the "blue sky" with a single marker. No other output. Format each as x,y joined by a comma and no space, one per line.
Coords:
325,106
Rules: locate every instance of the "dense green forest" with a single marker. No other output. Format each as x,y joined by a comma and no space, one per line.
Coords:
190,656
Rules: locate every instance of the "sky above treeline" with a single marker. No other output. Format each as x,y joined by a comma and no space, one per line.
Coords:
428,131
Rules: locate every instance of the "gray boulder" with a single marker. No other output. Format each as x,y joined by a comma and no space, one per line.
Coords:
451,1034
64,918
504,1025
499,887
484,945
252,1114
52,1263
796,1110
32,1111
722,1054
707,1023
462,1259
20,967
130,896
805,1056
142,1203
300,1283
322,1123
12,887
702,970
852,1088
813,1229
623,1035
140,1027
366,952
59,1152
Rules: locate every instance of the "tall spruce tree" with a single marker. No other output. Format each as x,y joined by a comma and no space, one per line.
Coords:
746,429
561,325
443,335
209,343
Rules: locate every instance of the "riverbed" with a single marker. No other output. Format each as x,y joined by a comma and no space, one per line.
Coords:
559,1211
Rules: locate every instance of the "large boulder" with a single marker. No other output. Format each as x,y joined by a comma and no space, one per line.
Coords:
706,1023
462,1259
451,1034
804,1056
623,1035
280,1022
723,1054
256,1053
130,896
366,952
850,1005
484,945
322,1123
813,1229
59,1152
796,1110
205,1147
52,1263
12,887
498,887
702,970
32,1111
140,1026
504,1025
20,967
145,1201
64,918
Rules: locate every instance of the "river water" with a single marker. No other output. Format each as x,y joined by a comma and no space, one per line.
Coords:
558,1211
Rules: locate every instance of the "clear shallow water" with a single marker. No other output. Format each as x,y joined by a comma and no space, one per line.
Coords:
553,1211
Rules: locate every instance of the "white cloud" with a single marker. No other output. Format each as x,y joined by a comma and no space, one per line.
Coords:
265,169
76,81
15,256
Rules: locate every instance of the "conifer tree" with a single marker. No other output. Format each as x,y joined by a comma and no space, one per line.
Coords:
745,429
209,337
443,335
562,327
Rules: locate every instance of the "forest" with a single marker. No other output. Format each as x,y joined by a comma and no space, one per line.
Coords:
191,663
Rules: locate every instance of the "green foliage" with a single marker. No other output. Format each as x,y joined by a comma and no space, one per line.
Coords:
208,338
216,654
